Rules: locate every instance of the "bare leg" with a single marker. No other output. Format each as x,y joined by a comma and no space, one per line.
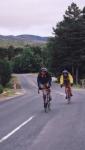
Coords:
50,97
66,91
70,90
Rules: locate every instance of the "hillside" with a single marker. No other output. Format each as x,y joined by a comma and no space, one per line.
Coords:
22,40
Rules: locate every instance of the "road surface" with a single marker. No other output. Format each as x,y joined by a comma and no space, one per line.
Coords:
25,126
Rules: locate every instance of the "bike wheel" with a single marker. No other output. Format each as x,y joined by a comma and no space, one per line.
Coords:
45,107
68,96
49,104
45,104
69,99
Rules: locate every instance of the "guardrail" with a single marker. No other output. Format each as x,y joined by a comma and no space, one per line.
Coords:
82,82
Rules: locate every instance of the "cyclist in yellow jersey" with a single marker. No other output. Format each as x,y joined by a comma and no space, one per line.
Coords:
66,80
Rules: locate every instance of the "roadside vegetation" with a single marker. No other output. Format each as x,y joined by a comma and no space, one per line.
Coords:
67,47
65,50
11,88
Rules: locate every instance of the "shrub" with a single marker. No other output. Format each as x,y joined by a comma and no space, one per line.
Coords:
5,72
1,89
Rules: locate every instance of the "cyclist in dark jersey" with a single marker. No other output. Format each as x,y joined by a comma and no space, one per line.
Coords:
44,80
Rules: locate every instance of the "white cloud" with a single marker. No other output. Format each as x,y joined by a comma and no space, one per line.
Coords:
32,16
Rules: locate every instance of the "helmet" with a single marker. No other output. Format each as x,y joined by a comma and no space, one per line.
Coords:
65,72
43,69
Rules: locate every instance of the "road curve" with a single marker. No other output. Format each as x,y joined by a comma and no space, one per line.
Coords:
25,126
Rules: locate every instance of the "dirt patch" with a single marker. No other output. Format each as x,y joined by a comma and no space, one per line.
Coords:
11,94
12,89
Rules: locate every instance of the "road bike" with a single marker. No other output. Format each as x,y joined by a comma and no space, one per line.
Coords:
68,94
46,99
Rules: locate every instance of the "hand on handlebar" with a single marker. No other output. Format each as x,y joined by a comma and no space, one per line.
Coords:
71,84
61,85
38,91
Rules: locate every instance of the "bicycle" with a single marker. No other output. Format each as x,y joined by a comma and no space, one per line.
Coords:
68,94
46,99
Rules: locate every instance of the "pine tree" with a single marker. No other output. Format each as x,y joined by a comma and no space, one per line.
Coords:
69,46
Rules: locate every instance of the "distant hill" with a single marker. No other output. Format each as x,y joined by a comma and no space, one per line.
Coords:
22,40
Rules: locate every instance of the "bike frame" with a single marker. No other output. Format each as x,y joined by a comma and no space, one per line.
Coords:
46,97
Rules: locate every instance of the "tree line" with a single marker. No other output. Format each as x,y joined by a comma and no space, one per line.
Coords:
65,50
20,60
67,47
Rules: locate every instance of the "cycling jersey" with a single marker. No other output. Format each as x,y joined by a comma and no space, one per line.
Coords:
44,80
66,80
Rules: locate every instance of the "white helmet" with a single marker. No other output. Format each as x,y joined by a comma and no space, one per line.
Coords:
65,72
44,69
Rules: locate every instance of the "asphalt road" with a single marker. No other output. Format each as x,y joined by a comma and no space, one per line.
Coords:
25,126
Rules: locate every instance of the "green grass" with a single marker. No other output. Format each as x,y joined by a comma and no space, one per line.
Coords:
8,92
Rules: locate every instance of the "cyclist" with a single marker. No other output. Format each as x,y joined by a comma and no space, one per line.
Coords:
66,79
44,81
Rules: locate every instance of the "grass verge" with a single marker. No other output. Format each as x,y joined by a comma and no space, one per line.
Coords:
12,88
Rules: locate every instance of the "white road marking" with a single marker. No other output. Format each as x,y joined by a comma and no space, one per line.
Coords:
15,130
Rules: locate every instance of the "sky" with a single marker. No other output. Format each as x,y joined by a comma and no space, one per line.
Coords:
36,17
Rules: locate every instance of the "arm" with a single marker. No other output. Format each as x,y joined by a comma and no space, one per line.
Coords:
71,78
50,81
61,80
38,83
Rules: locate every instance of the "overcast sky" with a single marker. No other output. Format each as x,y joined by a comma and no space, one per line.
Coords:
32,16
